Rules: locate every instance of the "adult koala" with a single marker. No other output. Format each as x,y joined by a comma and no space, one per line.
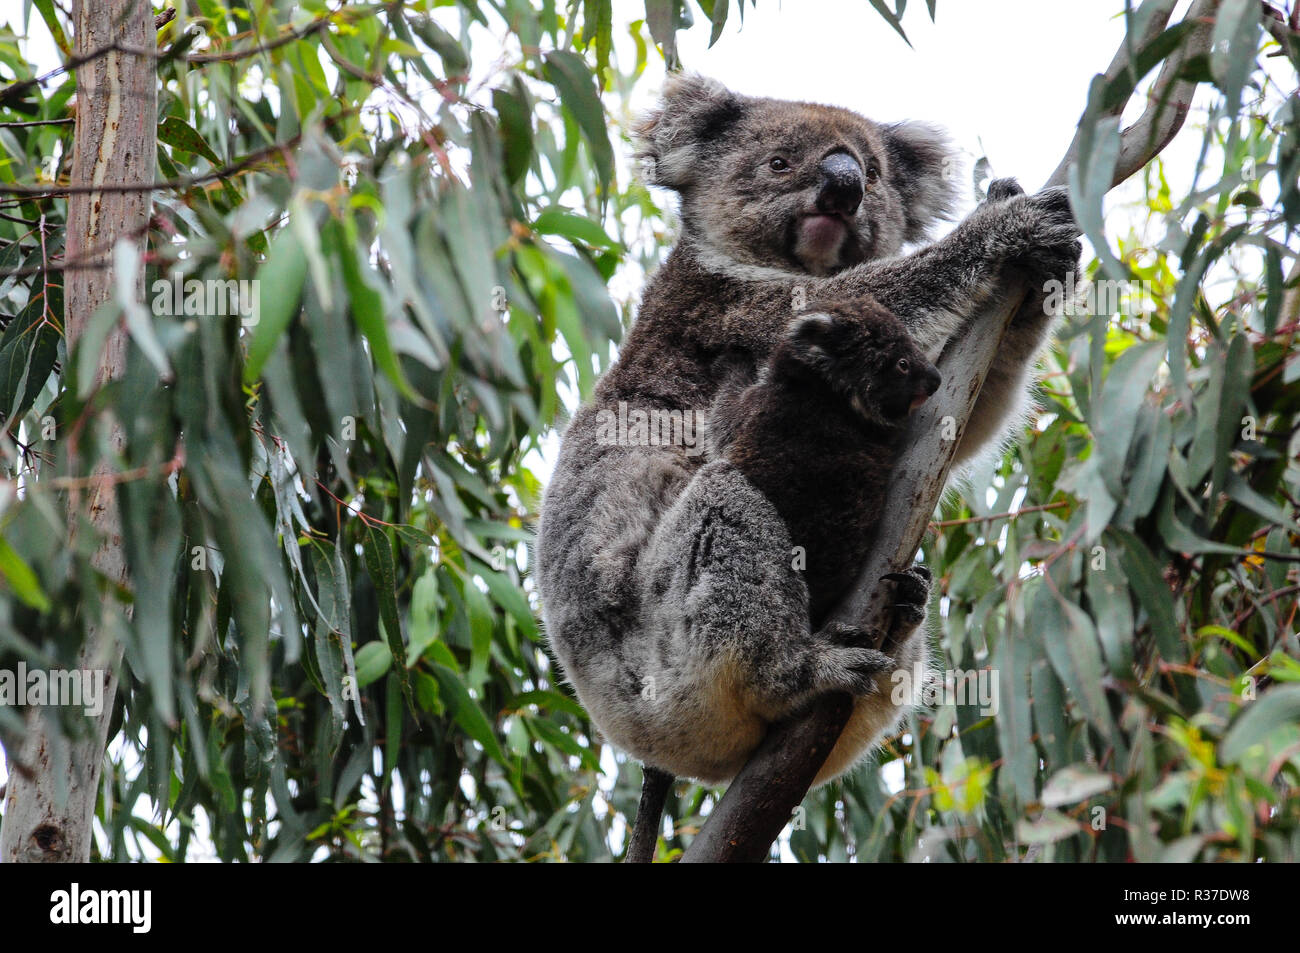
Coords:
666,578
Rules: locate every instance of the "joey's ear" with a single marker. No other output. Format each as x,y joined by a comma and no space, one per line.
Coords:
809,336
925,172
692,111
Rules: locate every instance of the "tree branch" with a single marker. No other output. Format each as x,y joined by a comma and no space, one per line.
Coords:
762,797
645,831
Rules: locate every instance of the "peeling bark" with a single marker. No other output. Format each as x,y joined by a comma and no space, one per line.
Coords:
53,782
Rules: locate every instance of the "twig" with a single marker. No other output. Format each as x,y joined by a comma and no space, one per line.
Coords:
182,183
1010,514
38,122
97,480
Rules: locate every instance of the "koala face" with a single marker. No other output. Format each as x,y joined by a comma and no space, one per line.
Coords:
865,354
798,187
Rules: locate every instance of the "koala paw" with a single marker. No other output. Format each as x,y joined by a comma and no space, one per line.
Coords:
1045,238
852,668
1002,189
911,595
1036,233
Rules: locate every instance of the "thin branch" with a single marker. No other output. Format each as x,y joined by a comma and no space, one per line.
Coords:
100,480
285,39
182,183
39,122
1010,514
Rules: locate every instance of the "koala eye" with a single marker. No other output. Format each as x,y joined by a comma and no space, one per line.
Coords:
778,164
903,366
873,175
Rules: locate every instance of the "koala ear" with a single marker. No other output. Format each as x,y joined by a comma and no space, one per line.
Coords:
693,110
924,170
808,335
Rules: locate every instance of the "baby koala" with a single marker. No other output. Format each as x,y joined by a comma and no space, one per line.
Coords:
818,434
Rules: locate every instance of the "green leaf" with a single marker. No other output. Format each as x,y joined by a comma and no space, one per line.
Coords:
508,596
661,17
1112,611
373,661
367,306
20,578
1071,644
576,228
544,698
892,18
1011,661
573,81
1116,413
179,134
378,554
282,275
1148,584
28,350
515,128
467,713
1073,784
46,10
718,16
1275,708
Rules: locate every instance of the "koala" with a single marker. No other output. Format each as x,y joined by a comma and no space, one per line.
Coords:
668,593
818,433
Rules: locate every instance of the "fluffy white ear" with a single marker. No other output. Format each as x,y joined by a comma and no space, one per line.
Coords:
925,171
692,111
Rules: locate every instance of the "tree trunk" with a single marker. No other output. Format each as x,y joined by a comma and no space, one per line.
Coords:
53,781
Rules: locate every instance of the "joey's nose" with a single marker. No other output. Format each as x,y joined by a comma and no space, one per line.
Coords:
841,185
930,380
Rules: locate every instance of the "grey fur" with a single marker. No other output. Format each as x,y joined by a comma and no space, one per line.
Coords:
668,592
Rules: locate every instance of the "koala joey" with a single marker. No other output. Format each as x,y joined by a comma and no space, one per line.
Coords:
668,591
818,432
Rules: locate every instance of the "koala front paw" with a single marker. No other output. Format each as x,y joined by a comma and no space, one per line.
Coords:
911,596
1045,237
1002,189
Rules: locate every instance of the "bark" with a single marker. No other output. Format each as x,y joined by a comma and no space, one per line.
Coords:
645,831
53,781
762,797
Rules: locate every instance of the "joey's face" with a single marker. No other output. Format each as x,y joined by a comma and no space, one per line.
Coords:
866,355
798,187
906,381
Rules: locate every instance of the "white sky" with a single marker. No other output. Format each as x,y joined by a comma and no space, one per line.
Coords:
1012,74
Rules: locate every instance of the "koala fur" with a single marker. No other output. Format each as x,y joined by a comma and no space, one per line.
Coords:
818,433
668,594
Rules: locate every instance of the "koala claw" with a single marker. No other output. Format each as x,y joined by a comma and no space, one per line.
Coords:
854,670
911,592
912,586
849,636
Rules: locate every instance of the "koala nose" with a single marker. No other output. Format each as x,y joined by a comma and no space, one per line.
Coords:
841,184
930,380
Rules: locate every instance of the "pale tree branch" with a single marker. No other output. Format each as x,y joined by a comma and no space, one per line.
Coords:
763,796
